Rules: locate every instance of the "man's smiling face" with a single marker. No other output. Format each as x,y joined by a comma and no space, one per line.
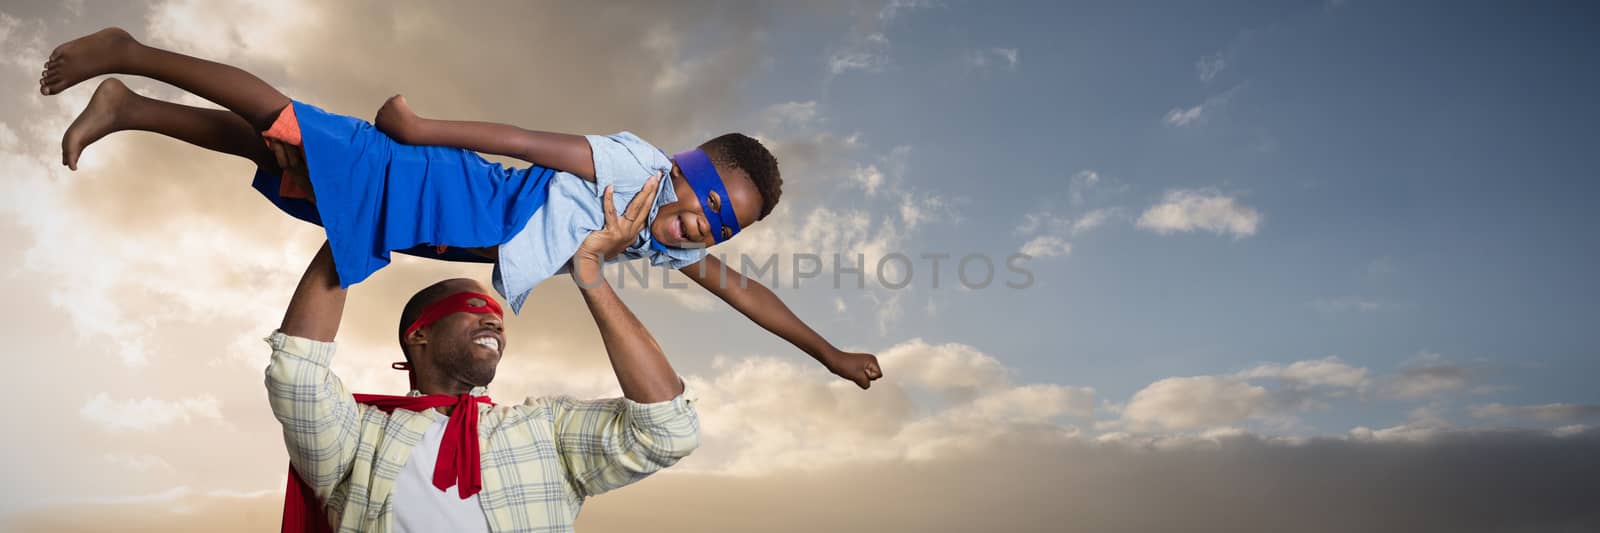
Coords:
464,345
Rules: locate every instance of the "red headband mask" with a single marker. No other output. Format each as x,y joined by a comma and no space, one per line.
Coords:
461,302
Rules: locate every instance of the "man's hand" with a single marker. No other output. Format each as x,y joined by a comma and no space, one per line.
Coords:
619,232
860,368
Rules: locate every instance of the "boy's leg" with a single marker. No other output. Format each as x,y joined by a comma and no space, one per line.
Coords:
113,51
114,108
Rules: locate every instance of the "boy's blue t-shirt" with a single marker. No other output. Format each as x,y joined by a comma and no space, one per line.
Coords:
574,209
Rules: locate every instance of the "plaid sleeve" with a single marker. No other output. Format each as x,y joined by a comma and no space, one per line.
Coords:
319,417
607,444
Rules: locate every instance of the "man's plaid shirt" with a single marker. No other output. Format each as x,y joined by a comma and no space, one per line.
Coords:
541,458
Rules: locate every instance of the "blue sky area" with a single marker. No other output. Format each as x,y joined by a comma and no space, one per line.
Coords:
1422,172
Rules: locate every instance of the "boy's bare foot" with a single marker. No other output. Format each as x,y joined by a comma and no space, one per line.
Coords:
97,120
395,117
83,58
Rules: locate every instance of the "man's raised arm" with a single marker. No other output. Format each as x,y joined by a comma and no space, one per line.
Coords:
641,368
606,444
319,417
318,301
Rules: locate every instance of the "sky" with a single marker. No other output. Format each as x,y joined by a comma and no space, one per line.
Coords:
1260,266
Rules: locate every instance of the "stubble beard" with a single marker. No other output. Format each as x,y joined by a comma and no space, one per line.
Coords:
464,365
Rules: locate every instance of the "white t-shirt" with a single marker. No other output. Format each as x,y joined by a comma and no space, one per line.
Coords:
421,507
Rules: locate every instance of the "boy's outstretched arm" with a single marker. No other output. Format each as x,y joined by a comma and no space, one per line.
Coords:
763,307
561,151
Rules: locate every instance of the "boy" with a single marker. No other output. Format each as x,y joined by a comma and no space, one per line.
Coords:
430,194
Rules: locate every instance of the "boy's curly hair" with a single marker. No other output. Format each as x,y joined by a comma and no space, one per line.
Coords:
736,150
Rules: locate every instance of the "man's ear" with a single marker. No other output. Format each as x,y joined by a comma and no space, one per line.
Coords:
417,338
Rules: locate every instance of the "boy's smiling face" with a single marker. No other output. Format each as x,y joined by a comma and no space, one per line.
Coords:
682,224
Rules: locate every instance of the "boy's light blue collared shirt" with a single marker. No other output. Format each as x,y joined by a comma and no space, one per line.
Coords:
573,209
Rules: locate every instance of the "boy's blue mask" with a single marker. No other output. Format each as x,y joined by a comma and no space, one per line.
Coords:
703,178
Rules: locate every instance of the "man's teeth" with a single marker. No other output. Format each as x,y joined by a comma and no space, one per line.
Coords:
491,342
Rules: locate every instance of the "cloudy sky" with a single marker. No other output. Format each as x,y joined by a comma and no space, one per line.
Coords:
1295,266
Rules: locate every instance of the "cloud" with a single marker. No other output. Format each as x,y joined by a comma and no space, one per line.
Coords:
1046,246
868,178
23,43
192,27
808,154
887,309
950,368
1427,376
1276,393
1550,412
1221,401
795,114
148,414
846,244
1006,57
917,208
867,47
822,231
765,414
1093,219
1040,221
691,297
893,8
1453,482
1081,182
1211,65
1048,233
8,137
1196,402
1185,210
1326,372
1185,116
869,53
1087,184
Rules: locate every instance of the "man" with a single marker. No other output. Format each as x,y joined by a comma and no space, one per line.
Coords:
411,463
